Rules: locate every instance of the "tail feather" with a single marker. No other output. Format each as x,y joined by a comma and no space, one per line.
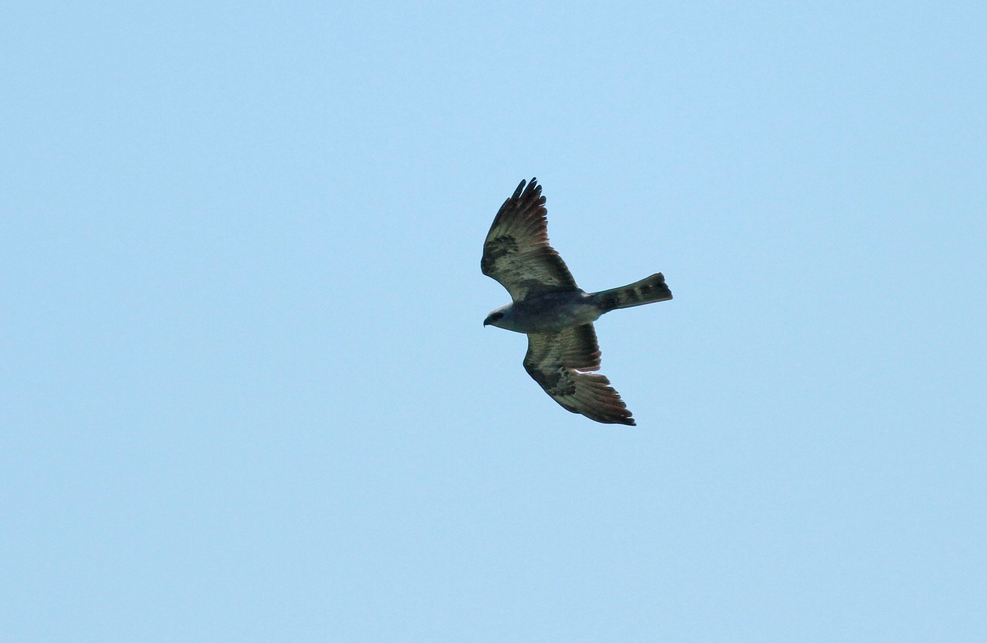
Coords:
646,291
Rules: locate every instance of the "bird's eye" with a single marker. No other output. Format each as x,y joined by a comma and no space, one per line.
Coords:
496,316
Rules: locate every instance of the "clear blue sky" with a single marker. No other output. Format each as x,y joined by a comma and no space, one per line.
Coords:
247,395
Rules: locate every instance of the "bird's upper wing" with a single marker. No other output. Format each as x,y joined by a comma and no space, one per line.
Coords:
557,361
516,252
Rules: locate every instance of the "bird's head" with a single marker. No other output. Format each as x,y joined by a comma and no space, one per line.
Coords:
496,318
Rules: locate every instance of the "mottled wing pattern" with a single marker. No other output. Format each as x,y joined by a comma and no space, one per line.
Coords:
558,361
516,252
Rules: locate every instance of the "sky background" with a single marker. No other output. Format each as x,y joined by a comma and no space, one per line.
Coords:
246,394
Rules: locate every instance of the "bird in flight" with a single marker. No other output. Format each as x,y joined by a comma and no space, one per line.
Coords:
555,314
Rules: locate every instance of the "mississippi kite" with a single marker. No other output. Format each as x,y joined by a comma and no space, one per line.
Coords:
553,311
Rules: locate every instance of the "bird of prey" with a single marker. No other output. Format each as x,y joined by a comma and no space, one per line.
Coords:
553,311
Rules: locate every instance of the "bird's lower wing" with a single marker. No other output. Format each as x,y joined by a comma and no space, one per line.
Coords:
558,361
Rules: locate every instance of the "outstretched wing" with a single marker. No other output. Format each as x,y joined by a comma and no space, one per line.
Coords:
558,361
516,252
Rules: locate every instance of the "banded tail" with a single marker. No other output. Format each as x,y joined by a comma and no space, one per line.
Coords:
647,291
